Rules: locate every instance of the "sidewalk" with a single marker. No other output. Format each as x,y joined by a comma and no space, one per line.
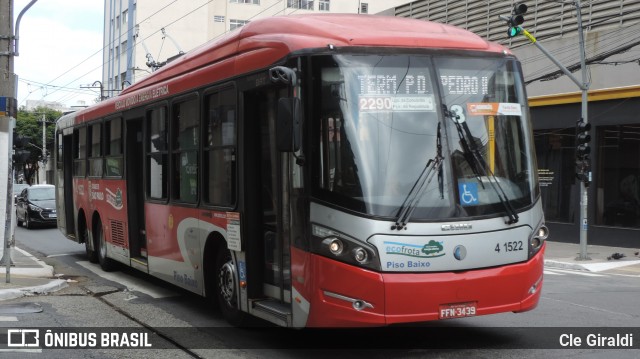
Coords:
27,276
601,258
30,275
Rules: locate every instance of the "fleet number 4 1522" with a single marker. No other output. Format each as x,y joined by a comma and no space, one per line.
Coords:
510,246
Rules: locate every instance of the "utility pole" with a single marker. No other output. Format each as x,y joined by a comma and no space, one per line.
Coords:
7,123
582,125
43,179
93,86
8,111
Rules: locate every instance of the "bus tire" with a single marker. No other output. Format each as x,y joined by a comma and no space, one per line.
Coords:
107,264
92,255
226,289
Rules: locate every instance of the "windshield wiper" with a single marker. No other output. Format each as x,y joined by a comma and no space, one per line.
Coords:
433,167
478,164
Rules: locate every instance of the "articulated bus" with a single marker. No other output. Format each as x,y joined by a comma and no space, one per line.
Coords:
318,171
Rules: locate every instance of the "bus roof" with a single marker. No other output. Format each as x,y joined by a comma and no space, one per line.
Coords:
263,42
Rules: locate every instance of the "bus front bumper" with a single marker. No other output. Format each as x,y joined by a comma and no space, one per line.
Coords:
349,296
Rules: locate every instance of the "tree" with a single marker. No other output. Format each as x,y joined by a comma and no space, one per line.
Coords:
29,127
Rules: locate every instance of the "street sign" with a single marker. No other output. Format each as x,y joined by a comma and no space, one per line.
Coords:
8,106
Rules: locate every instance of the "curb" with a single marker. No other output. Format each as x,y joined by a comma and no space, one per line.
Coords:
44,270
565,265
14,293
590,266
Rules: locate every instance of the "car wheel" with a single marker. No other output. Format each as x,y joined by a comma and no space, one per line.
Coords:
27,221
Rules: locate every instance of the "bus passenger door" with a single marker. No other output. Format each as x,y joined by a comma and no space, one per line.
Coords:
65,180
135,193
269,245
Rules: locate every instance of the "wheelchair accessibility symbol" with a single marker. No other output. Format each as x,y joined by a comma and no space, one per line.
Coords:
468,193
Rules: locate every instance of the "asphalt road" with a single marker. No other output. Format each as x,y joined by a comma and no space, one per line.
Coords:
574,304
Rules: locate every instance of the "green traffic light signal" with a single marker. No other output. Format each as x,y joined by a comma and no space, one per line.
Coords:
514,31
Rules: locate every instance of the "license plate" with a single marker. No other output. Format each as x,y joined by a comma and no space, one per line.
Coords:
457,310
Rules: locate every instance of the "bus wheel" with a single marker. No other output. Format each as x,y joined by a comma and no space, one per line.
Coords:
91,253
227,288
106,264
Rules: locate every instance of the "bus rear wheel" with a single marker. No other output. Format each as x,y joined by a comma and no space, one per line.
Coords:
106,263
226,291
91,253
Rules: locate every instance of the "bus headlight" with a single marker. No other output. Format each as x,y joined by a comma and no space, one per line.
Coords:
543,232
537,239
335,245
360,255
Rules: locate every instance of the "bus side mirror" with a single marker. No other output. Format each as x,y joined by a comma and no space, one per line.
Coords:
288,125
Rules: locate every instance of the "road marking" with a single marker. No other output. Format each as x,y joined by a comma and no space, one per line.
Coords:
8,319
586,274
551,272
59,255
20,350
132,284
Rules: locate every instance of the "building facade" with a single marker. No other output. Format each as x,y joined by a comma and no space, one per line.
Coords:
613,59
140,35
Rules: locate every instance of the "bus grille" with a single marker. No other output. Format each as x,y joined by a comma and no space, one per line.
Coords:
117,233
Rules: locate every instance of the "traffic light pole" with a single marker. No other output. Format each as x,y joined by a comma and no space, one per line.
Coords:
584,86
584,195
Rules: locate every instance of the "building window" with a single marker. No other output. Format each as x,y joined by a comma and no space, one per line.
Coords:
113,147
324,5
124,47
555,150
220,148
234,24
185,137
124,18
118,22
255,2
157,153
618,176
300,4
364,8
218,18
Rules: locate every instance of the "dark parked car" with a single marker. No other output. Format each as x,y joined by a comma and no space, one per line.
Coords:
37,205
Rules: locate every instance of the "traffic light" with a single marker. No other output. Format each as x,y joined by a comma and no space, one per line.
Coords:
583,162
516,19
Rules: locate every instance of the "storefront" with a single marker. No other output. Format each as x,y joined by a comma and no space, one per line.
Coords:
614,193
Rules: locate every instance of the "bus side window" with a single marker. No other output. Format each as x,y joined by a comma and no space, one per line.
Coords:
157,154
185,144
95,150
79,152
113,147
220,148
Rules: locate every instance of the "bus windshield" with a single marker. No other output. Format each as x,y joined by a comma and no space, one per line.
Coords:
382,119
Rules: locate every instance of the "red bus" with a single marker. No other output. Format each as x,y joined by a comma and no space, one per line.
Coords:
318,170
